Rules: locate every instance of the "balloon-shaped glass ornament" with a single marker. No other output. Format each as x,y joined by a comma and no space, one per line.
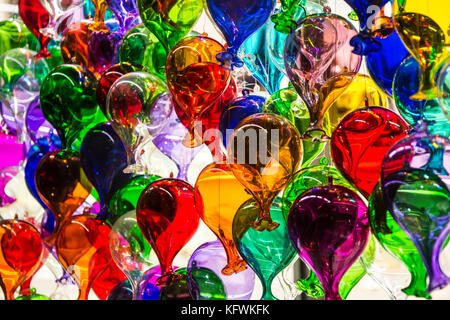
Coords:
219,194
130,104
397,243
36,18
102,156
254,52
361,140
63,187
267,252
196,80
265,150
168,218
20,255
329,228
82,246
320,64
419,202
68,101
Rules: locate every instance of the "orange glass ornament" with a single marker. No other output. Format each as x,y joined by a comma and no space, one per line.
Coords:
74,45
195,79
220,195
79,243
20,255
266,151
62,185
99,19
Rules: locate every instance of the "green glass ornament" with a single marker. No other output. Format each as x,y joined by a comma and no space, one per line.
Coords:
32,295
287,103
14,34
69,102
126,195
266,252
395,241
142,50
169,21
284,20
210,287
307,178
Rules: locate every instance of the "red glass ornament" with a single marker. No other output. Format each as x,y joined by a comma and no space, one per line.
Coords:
360,142
105,274
62,186
195,79
20,254
210,120
35,17
108,279
168,218
25,286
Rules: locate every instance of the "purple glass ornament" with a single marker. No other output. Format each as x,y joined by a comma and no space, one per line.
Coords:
170,142
212,256
329,228
420,151
6,175
419,202
125,11
103,48
36,125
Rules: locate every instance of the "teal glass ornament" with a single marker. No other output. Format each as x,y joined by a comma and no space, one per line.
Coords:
266,252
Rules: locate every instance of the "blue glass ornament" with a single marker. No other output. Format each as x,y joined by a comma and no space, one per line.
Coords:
383,64
237,20
102,157
366,10
239,109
